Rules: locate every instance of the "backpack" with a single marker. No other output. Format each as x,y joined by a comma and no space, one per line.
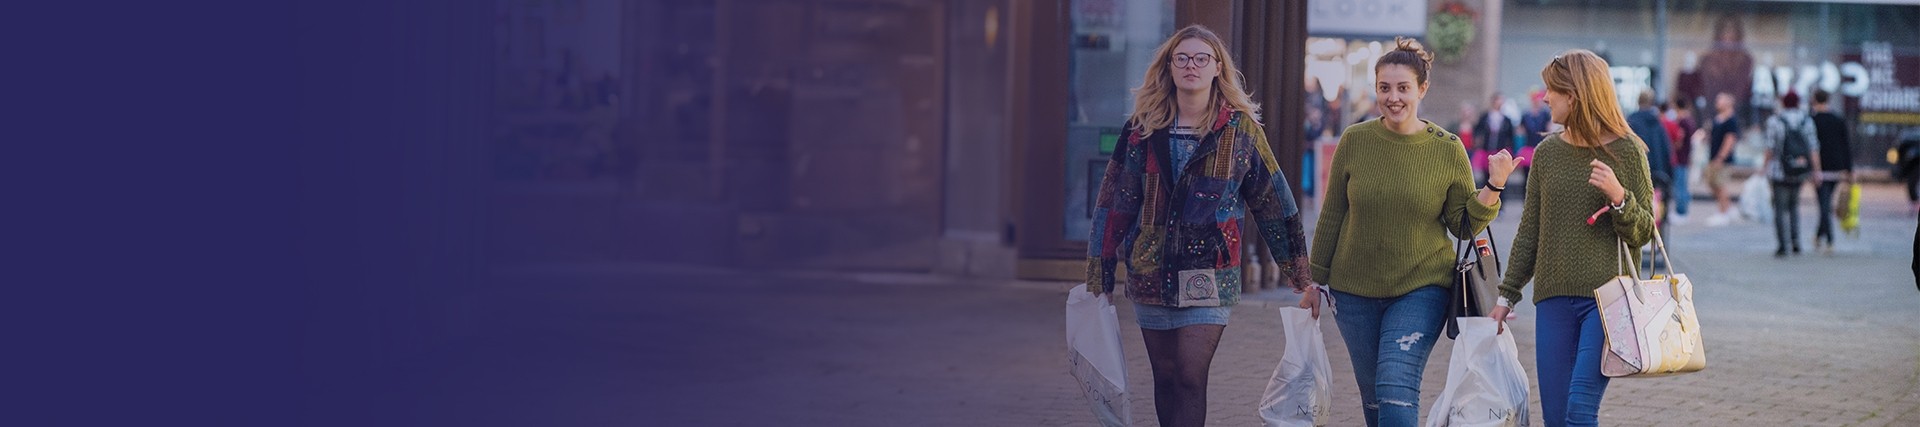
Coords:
1796,154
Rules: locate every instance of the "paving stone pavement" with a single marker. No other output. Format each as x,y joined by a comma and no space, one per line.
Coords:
1810,340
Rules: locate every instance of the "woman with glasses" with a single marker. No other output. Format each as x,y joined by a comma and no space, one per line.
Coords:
1398,186
1195,164
1590,190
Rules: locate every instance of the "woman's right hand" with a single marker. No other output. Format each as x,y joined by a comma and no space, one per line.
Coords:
1499,316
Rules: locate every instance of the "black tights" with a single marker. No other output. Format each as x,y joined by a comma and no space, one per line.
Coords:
1181,359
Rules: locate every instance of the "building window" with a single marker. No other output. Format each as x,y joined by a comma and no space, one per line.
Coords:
1111,46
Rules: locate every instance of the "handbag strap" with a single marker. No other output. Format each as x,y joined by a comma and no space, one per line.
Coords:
1665,255
1659,246
1464,247
1622,260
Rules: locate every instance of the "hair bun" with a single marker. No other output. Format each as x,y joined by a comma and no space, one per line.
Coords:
1407,52
1413,46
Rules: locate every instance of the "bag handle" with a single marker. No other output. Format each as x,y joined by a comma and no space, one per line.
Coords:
1467,249
1625,262
1659,246
1665,255
1621,259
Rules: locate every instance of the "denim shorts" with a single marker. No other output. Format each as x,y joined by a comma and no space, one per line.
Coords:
1161,318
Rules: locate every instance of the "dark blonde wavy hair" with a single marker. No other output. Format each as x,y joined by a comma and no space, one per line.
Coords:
1154,101
1584,78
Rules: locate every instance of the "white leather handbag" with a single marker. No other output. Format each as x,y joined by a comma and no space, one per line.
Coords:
1652,329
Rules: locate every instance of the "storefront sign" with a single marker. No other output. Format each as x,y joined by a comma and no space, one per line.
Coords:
1383,18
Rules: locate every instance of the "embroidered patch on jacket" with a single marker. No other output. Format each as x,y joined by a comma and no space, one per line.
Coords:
1197,288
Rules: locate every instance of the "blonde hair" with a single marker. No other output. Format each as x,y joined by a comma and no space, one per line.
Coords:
1153,102
1595,110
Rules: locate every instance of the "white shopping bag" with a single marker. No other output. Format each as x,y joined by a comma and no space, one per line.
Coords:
1093,351
1301,391
1486,386
1756,198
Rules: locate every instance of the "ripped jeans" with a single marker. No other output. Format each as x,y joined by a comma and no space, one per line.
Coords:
1389,340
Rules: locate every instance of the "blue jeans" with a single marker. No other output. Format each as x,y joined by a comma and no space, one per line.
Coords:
1389,340
1568,340
1681,197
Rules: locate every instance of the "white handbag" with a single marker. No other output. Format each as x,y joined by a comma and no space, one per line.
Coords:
1651,327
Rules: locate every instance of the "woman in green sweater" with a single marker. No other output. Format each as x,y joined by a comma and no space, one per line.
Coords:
1596,163
1397,186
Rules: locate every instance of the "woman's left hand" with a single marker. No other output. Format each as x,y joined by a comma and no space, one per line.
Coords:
1310,298
1602,177
1499,166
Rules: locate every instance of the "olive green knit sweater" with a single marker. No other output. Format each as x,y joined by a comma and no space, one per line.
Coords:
1555,248
1391,200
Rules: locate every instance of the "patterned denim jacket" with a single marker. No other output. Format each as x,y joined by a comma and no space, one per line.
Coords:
1180,235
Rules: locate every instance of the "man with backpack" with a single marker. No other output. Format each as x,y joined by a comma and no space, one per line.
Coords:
1793,158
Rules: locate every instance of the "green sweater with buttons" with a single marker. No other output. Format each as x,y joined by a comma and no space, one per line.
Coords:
1555,247
1392,207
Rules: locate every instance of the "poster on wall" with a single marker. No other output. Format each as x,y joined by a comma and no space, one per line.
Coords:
1890,105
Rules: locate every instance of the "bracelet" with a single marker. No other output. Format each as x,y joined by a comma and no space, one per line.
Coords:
1496,189
1621,205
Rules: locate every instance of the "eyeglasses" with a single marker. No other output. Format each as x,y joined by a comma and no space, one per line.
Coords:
1192,61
